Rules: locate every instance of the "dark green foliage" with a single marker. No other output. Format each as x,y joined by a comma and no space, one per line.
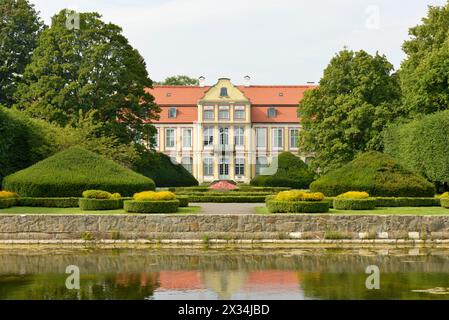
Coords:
297,206
6,203
48,202
162,171
407,202
183,200
99,204
20,26
378,174
227,198
291,172
180,80
69,173
445,203
422,145
358,94
170,206
354,204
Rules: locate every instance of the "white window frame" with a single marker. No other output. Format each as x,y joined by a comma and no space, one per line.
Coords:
275,138
238,109
189,164
223,109
156,145
166,138
211,133
259,165
207,110
265,140
239,164
208,167
176,112
239,137
295,136
184,138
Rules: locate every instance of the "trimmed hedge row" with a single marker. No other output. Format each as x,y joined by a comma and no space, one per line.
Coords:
228,199
99,204
183,201
355,204
167,206
407,202
297,206
445,203
6,203
48,202
241,189
223,194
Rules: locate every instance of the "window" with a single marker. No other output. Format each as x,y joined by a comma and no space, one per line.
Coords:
223,92
294,133
223,113
261,135
156,139
172,112
278,138
187,138
261,162
208,113
169,138
271,112
187,163
239,136
240,166
224,137
208,136
208,167
239,113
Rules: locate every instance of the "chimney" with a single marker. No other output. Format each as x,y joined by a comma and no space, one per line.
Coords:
202,81
247,80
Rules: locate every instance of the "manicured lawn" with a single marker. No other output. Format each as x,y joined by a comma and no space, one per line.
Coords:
40,210
420,211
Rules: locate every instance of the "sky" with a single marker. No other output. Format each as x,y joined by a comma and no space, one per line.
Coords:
273,41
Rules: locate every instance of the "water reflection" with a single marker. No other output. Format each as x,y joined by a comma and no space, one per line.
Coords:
162,274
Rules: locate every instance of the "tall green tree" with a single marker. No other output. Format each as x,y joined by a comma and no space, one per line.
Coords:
92,67
357,95
424,73
180,80
20,26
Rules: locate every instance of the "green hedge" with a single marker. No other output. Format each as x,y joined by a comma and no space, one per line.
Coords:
407,202
48,202
228,199
69,173
378,174
242,189
291,172
222,194
355,204
183,200
297,206
445,203
99,204
170,206
6,203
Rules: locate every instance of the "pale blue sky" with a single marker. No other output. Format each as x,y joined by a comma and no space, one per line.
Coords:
273,41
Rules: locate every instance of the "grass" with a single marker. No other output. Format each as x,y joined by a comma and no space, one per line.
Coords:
41,210
418,211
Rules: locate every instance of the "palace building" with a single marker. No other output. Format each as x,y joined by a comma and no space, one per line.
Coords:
227,131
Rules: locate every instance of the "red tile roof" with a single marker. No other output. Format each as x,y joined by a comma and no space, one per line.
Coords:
259,95
284,114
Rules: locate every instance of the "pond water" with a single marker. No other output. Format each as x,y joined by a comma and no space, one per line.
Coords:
224,274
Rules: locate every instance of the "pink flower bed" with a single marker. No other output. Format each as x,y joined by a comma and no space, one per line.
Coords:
223,185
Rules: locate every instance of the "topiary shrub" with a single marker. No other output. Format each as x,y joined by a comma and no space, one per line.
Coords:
99,204
7,199
166,206
69,173
376,173
291,172
183,201
445,202
354,204
154,196
298,195
48,202
297,206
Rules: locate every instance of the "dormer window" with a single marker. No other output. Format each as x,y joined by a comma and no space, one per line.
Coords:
172,112
223,92
271,112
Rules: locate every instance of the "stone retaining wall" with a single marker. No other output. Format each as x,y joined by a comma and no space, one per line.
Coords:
228,227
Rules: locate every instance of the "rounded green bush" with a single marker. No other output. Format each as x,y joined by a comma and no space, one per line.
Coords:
6,203
297,206
183,201
354,204
166,206
376,173
99,204
69,173
445,202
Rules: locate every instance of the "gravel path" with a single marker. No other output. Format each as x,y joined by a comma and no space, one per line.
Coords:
227,208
